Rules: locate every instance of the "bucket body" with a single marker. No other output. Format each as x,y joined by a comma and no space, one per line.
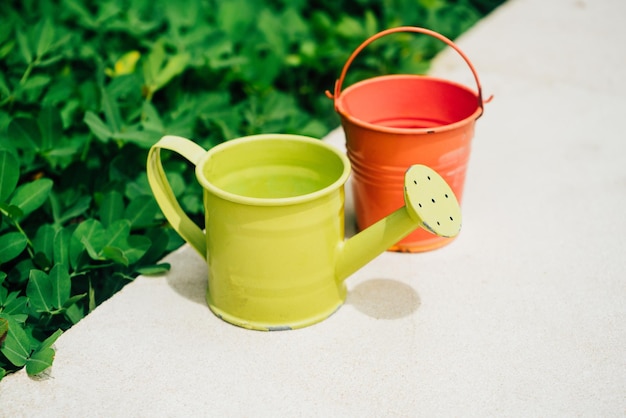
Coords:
274,218
392,122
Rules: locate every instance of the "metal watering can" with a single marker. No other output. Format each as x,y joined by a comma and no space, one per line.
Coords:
274,220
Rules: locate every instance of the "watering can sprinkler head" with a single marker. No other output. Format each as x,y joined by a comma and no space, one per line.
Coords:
430,203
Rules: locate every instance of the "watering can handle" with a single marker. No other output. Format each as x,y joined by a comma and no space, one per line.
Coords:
339,82
164,195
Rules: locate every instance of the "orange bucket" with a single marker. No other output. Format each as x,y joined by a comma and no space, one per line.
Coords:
392,122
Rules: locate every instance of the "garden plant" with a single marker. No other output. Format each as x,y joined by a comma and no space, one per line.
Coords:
87,87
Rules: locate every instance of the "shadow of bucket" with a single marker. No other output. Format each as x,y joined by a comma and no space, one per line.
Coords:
392,122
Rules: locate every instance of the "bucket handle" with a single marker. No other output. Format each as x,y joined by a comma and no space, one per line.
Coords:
344,71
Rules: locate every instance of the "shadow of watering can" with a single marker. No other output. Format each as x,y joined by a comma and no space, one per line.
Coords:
274,220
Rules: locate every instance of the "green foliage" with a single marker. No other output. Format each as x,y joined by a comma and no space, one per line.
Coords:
87,87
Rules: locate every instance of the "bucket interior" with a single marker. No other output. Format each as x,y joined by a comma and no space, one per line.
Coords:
408,102
272,168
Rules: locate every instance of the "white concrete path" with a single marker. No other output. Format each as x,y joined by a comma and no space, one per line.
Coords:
523,315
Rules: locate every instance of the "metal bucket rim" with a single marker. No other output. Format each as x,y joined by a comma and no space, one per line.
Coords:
340,108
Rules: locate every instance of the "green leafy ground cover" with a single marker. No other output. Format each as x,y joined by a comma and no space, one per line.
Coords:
87,87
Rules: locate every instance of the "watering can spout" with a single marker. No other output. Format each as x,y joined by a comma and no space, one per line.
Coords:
429,204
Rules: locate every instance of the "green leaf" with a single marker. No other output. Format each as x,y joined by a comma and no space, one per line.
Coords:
45,36
100,129
24,132
157,75
138,187
175,65
350,27
35,83
16,347
271,27
42,261
154,269
90,229
111,111
141,211
61,285
6,48
61,248
137,247
144,139
94,238
79,208
5,91
370,23
88,235
183,13
13,303
62,153
73,312
42,357
24,44
152,63
91,250
111,208
151,120
50,61
235,17
73,300
84,16
216,47
39,291
30,196
44,241
63,214
21,270
122,248
9,173
91,295
12,211
51,127
62,41
11,245
117,233
39,361
116,255
159,239
47,343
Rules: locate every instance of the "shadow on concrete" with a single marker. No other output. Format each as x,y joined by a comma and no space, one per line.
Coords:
384,299
189,274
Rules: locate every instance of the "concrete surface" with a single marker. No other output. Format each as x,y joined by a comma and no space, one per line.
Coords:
523,315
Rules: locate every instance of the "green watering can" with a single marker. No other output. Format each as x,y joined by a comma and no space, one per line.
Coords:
274,240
